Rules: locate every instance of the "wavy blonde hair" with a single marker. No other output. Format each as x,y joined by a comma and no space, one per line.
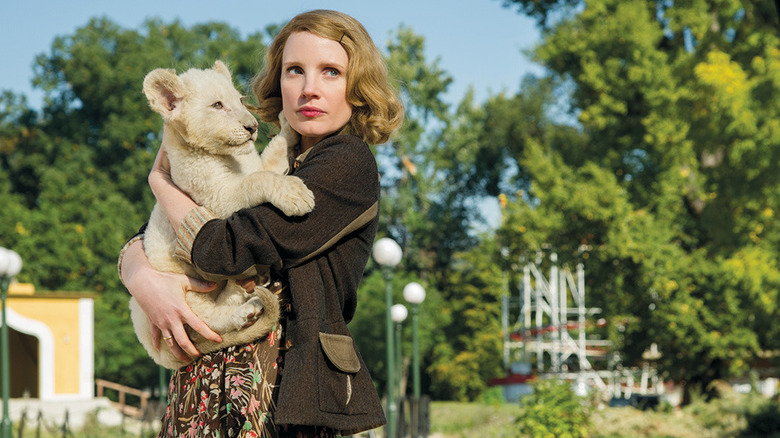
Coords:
376,108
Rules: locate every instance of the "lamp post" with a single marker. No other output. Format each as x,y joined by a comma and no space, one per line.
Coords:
398,313
162,380
10,265
388,254
414,294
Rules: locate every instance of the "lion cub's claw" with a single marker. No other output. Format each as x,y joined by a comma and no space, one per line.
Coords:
252,318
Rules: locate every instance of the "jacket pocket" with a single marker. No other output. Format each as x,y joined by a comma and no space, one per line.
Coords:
340,350
337,373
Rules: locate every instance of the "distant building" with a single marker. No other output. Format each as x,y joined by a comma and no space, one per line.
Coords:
51,344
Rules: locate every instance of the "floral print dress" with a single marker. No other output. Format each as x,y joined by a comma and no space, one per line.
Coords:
230,393
227,393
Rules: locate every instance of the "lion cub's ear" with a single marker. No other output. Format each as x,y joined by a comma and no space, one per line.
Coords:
222,69
164,90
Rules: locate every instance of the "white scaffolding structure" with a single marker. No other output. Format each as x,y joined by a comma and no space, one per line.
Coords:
550,327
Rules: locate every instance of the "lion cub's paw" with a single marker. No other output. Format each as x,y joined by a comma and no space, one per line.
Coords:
294,198
249,313
286,131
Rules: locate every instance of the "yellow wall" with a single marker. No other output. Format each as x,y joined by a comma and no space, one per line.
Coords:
61,315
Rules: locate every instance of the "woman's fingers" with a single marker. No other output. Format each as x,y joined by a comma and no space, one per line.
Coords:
172,343
248,284
156,334
162,297
161,162
178,341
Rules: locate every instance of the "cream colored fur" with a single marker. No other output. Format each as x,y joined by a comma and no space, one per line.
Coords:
209,137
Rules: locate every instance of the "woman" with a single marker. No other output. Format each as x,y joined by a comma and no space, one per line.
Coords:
324,72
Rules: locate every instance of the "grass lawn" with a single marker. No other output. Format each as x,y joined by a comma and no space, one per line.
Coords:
732,417
455,419
716,419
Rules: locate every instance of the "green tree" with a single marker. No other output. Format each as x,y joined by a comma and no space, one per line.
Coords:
431,187
369,328
553,410
420,211
674,188
468,353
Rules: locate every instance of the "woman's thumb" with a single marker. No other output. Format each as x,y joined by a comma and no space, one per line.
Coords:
201,285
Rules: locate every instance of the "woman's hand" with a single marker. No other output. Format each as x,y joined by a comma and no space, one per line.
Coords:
161,296
161,169
248,284
174,202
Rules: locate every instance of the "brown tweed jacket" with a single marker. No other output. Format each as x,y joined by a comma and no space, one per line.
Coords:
322,256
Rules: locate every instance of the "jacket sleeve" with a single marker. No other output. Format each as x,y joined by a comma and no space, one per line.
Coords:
341,172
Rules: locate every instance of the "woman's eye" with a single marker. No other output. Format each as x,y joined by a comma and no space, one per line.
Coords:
332,72
216,105
294,70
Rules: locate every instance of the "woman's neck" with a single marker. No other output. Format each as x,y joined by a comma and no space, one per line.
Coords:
308,142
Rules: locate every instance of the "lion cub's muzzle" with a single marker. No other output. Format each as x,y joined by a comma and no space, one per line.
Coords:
251,128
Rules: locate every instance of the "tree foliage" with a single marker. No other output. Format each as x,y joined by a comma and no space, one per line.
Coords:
553,410
430,193
674,190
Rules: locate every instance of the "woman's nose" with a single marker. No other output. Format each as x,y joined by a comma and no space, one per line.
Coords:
310,88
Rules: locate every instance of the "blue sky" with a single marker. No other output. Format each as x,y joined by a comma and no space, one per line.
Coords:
478,42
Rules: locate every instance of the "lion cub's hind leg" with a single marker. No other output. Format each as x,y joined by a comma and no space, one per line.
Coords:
235,309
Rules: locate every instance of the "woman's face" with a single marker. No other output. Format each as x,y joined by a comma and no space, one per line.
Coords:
314,86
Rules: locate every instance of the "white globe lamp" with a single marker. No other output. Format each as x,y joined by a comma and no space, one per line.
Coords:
414,293
5,260
386,252
399,313
14,264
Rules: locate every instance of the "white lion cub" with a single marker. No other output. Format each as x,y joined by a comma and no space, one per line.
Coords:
209,137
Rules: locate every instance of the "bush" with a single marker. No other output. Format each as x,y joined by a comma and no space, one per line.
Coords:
764,422
492,396
553,410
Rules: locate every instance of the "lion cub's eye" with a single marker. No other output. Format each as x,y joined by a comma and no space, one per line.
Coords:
216,105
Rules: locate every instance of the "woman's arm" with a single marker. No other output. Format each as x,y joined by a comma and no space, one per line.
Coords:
161,296
341,172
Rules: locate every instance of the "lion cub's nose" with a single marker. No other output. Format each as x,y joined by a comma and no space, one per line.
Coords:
251,127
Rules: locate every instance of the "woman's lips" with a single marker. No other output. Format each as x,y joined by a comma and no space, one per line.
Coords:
309,111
